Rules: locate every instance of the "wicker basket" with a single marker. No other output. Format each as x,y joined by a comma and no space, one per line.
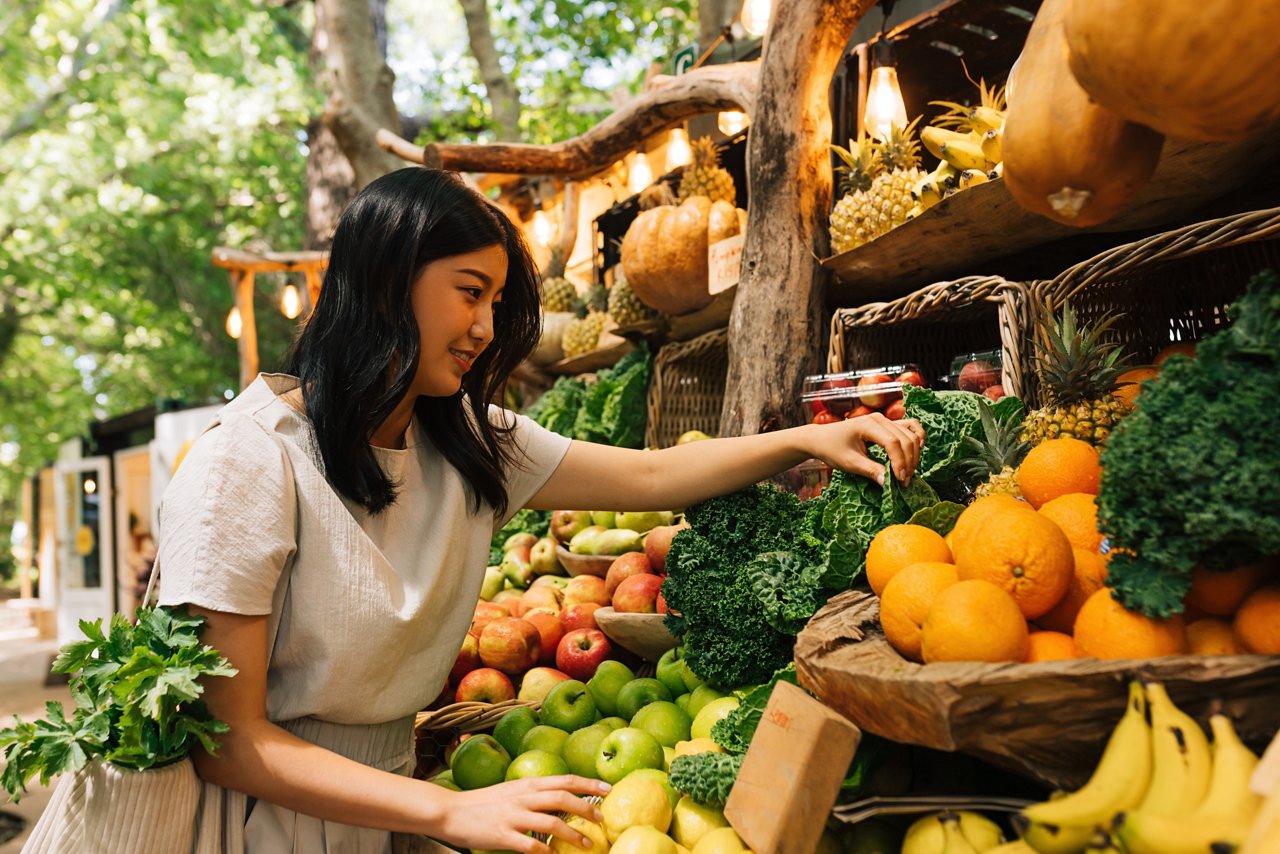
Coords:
1047,721
935,324
687,390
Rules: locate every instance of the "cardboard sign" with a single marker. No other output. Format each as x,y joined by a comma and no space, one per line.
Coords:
792,773
724,261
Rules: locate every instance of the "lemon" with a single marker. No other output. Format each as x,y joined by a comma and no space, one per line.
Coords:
661,776
642,839
709,714
636,801
720,841
697,745
589,829
691,821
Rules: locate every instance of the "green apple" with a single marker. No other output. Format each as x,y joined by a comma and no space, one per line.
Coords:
445,779
682,700
613,722
639,693
670,672
492,584
673,796
609,678
543,737
536,763
624,751
668,756
604,518
582,540
569,706
480,761
581,747
691,679
710,714
691,821
513,726
665,721
644,521
702,695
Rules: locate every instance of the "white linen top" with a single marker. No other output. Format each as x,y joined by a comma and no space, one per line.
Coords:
368,612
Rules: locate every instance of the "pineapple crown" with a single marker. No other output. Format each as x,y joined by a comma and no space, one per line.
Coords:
861,164
1000,445
900,150
597,298
705,154
555,266
962,116
1074,363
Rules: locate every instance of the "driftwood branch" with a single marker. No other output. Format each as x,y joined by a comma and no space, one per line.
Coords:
670,101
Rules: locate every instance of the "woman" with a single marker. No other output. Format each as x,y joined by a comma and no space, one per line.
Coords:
333,526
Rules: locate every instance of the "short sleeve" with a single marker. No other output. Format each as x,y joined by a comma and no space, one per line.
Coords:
227,523
538,452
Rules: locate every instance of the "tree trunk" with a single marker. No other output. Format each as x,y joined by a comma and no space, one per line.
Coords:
775,330
358,85
504,100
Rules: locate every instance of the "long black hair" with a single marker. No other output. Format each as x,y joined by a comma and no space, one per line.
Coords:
359,352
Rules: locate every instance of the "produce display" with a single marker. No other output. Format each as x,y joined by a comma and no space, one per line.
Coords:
851,394
968,142
610,411
979,373
876,185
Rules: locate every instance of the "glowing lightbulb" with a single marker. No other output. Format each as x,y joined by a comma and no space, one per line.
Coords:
755,16
678,153
544,230
90,486
641,174
290,302
234,324
731,122
885,108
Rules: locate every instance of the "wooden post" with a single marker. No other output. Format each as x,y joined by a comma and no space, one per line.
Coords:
775,331
313,288
242,287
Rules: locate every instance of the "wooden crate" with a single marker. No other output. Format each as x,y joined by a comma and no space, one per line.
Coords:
687,389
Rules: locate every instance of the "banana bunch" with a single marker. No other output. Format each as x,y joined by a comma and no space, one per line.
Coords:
952,833
967,141
1160,788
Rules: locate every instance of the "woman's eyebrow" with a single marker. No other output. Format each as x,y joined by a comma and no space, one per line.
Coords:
482,276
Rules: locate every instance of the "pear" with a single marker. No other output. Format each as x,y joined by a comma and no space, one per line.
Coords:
643,522
582,542
614,541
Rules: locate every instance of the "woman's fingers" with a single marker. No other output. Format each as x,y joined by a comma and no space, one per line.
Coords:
896,442
559,800
866,467
573,783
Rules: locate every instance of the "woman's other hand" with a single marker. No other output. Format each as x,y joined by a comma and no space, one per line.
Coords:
501,817
844,445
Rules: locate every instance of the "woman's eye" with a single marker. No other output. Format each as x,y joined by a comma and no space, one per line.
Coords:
474,292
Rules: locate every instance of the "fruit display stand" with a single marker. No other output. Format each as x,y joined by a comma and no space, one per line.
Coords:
644,634
1047,721
687,389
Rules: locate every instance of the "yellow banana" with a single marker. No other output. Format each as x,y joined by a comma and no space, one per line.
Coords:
965,154
983,119
1180,758
997,171
915,211
1054,838
935,138
992,144
1264,837
1219,823
972,177
926,191
945,177
953,838
1120,780
1103,843
1017,846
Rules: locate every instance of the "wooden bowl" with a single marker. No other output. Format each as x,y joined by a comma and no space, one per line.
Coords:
584,564
644,634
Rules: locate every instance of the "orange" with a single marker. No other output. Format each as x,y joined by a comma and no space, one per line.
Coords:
1182,348
1257,623
973,621
899,546
1220,593
1050,646
906,601
1130,383
1088,577
1077,516
1058,467
971,518
1106,629
1212,637
1021,552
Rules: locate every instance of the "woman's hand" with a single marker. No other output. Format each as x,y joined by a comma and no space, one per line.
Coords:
844,445
499,817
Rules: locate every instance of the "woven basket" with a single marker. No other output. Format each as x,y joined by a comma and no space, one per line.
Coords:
1047,721
933,325
687,390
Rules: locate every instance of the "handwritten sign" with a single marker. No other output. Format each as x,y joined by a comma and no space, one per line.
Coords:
724,262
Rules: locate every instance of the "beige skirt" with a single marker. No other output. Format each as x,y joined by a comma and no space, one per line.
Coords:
227,826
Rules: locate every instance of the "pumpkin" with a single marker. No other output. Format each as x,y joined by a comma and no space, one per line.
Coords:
1199,69
664,252
549,350
1066,157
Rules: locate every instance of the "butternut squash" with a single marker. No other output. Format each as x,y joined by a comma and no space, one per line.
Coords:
664,252
1065,157
1198,69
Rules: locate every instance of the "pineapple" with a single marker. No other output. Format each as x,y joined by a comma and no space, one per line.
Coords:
624,306
705,177
998,454
583,333
1078,372
987,116
558,293
879,178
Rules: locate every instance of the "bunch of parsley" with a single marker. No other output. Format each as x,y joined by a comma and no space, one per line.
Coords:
137,700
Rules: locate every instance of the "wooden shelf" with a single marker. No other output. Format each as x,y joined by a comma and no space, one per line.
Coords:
971,230
596,360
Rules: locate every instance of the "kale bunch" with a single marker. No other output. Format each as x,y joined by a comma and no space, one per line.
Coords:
1192,476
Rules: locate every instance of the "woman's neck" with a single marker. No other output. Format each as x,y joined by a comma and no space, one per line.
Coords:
391,433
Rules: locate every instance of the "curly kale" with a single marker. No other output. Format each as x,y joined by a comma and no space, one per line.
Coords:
706,777
1192,476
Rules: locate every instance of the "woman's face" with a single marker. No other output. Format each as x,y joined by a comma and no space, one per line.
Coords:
453,301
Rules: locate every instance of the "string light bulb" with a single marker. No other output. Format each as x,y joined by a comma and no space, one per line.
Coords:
885,107
641,173
755,16
731,122
90,486
544,230
678,151
234,324
290,302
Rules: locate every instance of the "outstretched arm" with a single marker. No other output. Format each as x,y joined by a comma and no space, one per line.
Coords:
598,477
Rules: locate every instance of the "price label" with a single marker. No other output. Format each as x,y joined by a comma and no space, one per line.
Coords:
724,263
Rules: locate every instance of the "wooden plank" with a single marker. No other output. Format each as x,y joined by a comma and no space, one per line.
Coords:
973,228
242,286
272,262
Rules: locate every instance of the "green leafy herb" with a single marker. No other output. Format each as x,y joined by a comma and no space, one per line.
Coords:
610,411
941,517
137,692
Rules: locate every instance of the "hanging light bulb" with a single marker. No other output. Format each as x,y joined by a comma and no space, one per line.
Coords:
678,153
641,174
885,107
544,230
234,324
755,16
290,302
731,122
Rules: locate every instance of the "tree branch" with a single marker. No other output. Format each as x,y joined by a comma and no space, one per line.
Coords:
667,104
503,97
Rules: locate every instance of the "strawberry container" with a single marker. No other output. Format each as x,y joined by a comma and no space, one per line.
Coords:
830,397
981,373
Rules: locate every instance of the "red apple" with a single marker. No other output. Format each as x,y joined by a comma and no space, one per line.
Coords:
859,411
580,653
485,685
872,393
538,682
835,401
510,645
486,613
995,392
656,545
511,600
817,406
468,659
825,417
662,604
896,411
977,376
550,630
586,589
638,595
580,617
566,523
912,378
629,564
544,596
